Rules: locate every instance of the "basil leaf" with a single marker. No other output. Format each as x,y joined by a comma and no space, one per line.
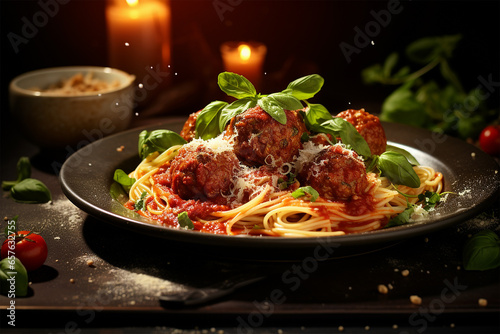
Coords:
236,85
184,221
397,169
13,273
302,191
482,251
318,119
427,49
207,122
235,108
403,152
140,204
390,63
273,107
403,218
23,172
30,191
122,178
401,106
305,88
158,141
430,199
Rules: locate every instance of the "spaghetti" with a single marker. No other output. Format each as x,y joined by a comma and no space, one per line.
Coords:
256,204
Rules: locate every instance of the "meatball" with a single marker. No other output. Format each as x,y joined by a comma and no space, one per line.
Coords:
369,127
189,129
260,140
198,172
335,172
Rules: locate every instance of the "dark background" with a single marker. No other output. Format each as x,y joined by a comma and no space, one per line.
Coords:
302,37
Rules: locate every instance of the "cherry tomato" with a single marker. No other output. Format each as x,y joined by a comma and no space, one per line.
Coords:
489,140
30,248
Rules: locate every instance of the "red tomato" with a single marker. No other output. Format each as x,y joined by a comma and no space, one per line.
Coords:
30,248
489,140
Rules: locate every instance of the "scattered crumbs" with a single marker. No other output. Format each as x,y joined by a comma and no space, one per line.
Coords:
390,286
212,330
396,270
280,331
90,164
57,238
341,328
466,191
482,302
57,260
5,218
367,328
90,263
458,267
90,280
414,299
66,211
382,289
473,155
452,325
394,326
350,288
426,240
72,280
428,272
120,149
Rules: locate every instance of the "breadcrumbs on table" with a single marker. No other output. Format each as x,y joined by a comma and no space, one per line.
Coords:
90,263
482,302
415,299
367,328
394,326
405,272
72,280
120,149
341,328
382,289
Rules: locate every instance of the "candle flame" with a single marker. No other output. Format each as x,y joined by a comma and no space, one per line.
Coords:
244,51
132,3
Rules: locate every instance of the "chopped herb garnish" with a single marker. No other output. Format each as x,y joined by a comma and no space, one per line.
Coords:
140,204
308,190
184,221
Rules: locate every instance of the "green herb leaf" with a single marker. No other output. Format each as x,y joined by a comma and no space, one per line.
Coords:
23,172
13,273
273,108
236,85
30,191
235,108
140,204
184,221
402,107
429,199
283,184
207,122
158,141
305,88
427,49
390,63
318,119
403,218
303,191
122,178
397,169
482,251
403,152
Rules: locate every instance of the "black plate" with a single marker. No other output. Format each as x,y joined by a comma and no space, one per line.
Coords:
474,176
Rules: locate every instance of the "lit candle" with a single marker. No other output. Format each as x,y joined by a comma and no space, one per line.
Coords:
246,59
138,35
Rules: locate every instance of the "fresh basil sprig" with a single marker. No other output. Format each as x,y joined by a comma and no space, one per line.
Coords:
306,87
428,200
482,251
140,204
158,141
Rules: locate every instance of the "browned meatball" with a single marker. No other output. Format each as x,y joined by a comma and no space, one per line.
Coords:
369,127
261,140
198,172
336,173
189,128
